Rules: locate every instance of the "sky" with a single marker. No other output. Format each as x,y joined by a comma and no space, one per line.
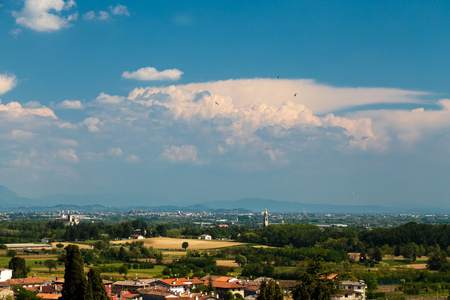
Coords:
340,102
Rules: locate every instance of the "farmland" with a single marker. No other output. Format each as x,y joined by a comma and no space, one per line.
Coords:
165,243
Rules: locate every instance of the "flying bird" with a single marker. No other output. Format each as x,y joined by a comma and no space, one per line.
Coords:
216,102
295,94
278,76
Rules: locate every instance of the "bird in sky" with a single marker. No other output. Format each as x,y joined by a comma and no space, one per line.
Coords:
278,76
295,94
216,102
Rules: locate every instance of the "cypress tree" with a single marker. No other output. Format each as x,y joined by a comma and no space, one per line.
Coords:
17,264
96,286
74,287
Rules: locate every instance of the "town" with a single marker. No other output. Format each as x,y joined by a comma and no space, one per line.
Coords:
227,255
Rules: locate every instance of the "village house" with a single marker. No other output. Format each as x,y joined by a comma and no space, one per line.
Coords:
205,237
5,274
70,220
225,284
179,285
31,282
131,286
351,290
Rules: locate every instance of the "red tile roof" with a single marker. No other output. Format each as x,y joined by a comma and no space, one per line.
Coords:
49,296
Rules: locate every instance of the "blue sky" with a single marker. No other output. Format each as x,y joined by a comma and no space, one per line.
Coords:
308,101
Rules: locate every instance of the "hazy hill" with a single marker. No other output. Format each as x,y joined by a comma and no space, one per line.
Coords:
153,202
258,205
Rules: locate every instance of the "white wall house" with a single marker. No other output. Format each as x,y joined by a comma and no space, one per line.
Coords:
351,290
5,274
206,237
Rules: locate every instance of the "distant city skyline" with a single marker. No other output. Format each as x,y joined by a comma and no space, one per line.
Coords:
343,102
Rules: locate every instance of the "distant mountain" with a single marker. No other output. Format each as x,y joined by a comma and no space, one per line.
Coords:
259,204
104,202
106,199
9,199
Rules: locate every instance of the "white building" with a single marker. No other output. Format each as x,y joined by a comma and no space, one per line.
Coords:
351,290
5,274
206,237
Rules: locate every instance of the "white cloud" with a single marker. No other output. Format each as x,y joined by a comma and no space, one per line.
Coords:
115,151
178,154
132,159
45,15
16,110
119,10
240,125
7,83
18,134
92,123
69,155
70,104
149,73
319,98
104,98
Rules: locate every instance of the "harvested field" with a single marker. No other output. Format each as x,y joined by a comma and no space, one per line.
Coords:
227,263
165,243
81,246
415,266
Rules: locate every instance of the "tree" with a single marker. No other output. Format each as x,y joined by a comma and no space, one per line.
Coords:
377,255
161,230
74,287
50,264
185,245
123,269
210,288
96,285
410,252
437,260
229,296
371,279
270,291
313,283
17,264
241,260
24,294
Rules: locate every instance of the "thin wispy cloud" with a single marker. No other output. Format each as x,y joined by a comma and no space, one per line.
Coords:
70,104
151,74
103,15
119,10
181,154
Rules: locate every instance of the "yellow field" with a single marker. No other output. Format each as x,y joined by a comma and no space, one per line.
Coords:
165,243
227,263
81,246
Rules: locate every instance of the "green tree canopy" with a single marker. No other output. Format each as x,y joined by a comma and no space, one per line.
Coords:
185,245
50,264
74,287
96,285
17,264
270,291
313,283
437,260
24,294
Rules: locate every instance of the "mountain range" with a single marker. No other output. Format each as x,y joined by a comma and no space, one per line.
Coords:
10,201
